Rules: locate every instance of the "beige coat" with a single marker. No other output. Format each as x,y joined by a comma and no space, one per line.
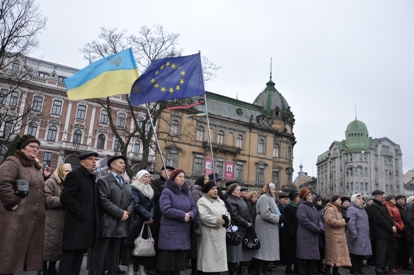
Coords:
55,215
21,230
336,246
211,247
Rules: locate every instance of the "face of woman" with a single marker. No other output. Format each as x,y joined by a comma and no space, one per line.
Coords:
236,192
254,199
31,150
309,197
213,192
359,201
272,191
66,169
179,179
146,179
392,201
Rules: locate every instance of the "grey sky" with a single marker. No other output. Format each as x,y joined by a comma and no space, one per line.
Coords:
328,56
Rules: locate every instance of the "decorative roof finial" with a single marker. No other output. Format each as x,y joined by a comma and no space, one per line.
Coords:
356,117
270,68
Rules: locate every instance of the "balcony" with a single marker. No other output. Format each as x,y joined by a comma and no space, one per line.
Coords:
222,148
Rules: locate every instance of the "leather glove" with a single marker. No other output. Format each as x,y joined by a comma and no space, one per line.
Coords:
226,220
347,220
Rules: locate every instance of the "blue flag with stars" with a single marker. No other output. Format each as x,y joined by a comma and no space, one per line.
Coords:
169,78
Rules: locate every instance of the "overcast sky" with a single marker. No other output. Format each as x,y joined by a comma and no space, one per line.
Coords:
328,56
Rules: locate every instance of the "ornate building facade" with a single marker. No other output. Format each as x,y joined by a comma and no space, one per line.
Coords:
360,164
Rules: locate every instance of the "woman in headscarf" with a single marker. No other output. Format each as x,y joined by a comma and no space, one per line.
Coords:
178,210
214,218
357,233
55,215
267,229
144,207
336,247
22,218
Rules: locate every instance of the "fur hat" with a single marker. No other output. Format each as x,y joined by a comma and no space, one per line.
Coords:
175,173
293,194
26,139
303,193
232,187
210,184
334,198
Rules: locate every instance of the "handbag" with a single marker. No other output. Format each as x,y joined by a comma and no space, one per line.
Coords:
21,188
196,229
144,247
251,241
232,237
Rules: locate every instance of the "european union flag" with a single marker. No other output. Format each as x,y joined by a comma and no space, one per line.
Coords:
169,78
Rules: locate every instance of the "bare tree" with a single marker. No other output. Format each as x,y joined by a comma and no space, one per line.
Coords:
148,45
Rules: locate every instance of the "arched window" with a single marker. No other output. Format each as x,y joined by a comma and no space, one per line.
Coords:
200,133
276,150
137,144
174,128
220,137
8,126
261,146
239,141
74,161
32,129
51,134
77,137
289,153
16,65
101,142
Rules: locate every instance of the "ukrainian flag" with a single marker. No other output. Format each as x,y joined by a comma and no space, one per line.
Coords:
105,77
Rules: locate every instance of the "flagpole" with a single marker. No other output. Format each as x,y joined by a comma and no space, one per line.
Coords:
209,137
156,140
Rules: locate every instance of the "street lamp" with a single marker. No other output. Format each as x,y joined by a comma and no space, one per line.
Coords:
353,169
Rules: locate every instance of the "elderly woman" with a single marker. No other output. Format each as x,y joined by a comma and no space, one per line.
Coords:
144,207
291,227
55,215
214,219
336,248
251,200
22,218
309,227
178,210
267,229
240,216
357,234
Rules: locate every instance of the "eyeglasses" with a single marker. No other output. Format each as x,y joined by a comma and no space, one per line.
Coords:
33,147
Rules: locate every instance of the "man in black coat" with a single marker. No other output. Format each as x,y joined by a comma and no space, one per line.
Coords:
291,229
158,184
116,204
283,202
405,255
81,224
383,228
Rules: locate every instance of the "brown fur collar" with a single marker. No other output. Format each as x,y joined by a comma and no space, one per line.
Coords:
25,160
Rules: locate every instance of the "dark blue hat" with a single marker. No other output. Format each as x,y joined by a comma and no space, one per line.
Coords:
211,177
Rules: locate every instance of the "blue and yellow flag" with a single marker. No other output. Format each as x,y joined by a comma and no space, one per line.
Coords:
108,76
169,78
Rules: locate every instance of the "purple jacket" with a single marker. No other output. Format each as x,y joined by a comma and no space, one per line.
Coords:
174,203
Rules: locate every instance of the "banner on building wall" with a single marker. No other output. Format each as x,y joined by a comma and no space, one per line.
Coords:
229,172
208,167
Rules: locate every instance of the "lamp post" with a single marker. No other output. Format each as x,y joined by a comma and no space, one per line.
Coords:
354,168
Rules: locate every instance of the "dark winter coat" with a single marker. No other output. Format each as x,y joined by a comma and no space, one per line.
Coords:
196,192
114,198
409,214
175,202
21,230
380,221
291,228
396,216
158,185
54,218
80,199
358,230
144,208
309,227
240,214
282,230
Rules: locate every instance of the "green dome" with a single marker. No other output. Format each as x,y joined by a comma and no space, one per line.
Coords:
357,135
357,125
270,98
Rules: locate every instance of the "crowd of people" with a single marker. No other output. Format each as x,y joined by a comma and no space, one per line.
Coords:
69,213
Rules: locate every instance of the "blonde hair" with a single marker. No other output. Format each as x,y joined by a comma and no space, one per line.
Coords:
250,195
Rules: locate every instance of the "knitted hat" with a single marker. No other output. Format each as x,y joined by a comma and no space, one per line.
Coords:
303,193
175,173
334,198
210,184
344,199
354,197
200,181
389,197
231,187
26,139
141,173
293,194
410,199
230,182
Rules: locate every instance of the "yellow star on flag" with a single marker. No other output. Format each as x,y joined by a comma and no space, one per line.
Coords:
163,89
152,80
177,87
183,73
162,67
181,81
171,90
173,66
168,63
156,72
156,85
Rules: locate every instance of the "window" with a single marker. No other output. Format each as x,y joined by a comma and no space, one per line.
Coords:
3,96
276,150
275,178
289,153
43,74
200,133
121,120
137,146
174,128
117,146
260,175
74,161
8,126
77,137
220,168
16,66
104,117
220,137
47,158
51,134
101,142
32,129
61,78
147,126
239,171
261,146
239,141
2,153
80,114
198,165
57,107
14,97
37,103
172,158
